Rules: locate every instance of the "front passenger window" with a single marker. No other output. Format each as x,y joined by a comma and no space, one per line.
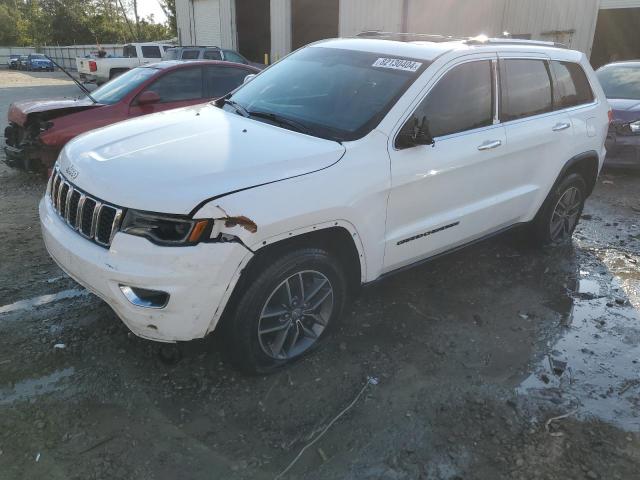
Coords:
462,100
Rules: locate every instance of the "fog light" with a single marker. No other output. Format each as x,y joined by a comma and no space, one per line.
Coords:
141,297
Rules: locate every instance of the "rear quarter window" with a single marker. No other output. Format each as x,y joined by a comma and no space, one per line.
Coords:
571,86
150,51
190,54
212,55
525,89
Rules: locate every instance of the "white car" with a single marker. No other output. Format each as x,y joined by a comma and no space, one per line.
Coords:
102,69
345,162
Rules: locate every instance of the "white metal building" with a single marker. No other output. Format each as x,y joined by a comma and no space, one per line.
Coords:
276,27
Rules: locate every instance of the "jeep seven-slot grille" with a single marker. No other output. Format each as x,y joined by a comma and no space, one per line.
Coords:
93,219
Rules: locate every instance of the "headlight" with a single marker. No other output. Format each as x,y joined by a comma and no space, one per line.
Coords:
635,127
165,229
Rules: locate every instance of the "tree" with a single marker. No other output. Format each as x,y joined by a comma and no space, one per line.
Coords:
68,22
169,9
10,20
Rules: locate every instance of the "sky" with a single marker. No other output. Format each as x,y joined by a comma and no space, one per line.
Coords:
146,7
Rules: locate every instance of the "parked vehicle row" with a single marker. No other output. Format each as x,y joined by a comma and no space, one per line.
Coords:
259,216
208,53
31,62
39,129
101,70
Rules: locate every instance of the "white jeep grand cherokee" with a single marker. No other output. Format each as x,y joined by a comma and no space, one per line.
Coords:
346,161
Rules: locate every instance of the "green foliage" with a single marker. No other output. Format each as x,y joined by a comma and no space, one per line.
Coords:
68,22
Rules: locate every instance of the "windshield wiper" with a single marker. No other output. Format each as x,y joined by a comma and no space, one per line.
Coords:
284,121
236,106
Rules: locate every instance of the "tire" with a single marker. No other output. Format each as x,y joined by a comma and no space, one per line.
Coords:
560,213
297,332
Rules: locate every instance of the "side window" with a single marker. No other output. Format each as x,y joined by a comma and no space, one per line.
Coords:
129,51
178,85
571,87
190,54
231,56
461,100
212,55
222,80
151,51
171,54
526,89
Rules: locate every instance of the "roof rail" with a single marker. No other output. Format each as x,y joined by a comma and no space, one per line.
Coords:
408,37
479,40
483,40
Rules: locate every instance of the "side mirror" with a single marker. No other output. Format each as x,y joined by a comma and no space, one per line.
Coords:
148,97
249,77
415,132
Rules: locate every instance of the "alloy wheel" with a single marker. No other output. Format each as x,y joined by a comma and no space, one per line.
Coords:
295,314
565,215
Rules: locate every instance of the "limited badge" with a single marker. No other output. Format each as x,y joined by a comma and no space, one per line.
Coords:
71,172
397,64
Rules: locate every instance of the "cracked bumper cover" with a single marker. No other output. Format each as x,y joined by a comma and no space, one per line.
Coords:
199,279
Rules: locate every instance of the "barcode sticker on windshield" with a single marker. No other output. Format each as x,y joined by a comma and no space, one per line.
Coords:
397,64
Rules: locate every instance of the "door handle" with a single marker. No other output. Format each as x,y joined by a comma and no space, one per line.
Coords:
490,145
561,126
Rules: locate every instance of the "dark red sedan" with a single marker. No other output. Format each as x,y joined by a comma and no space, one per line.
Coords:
38,129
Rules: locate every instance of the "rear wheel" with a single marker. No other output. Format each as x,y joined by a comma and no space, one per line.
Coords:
287,311
561,211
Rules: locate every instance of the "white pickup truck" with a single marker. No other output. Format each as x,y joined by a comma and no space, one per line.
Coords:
103,69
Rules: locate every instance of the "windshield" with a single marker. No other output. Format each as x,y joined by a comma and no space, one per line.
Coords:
621,81
337,94
114,90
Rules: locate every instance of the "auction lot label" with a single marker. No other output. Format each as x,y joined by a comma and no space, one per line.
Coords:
397,64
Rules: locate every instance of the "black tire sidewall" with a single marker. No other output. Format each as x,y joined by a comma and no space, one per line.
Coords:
543,219
246,351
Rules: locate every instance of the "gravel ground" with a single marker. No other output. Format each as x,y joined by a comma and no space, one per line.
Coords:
496,362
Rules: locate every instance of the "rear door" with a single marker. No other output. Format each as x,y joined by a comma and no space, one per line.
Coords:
176,88
539,138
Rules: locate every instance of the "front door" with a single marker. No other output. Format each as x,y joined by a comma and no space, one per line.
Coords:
460,188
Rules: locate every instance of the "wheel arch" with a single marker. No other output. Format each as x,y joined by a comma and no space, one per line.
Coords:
338,237
587,165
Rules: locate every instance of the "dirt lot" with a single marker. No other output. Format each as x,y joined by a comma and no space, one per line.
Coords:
475,354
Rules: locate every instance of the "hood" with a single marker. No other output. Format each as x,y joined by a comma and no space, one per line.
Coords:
20,111
172,161
625,110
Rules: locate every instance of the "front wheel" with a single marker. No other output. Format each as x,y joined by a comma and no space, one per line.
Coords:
287,311
561,211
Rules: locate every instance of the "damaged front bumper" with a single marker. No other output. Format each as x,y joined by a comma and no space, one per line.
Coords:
23,151
623,148
196,281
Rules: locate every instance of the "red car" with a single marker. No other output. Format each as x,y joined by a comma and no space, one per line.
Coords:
38,129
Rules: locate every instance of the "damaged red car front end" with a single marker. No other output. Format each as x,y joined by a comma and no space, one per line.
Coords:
39,129
36,135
